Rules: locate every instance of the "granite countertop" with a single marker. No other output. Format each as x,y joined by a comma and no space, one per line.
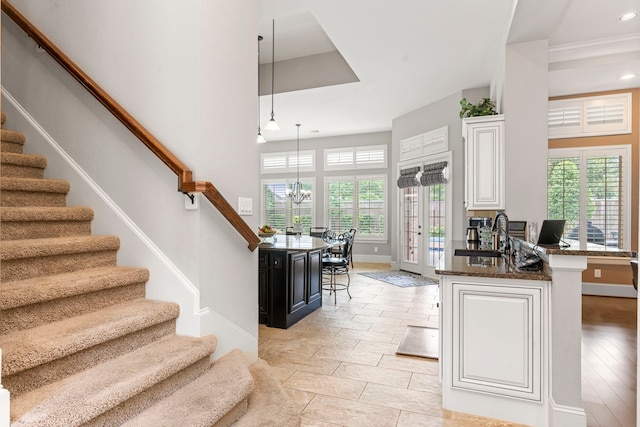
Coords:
484,266
500,268
281,242
574,248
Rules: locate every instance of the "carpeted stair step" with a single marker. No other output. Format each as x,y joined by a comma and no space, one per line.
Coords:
22,165
268,394
12,141
24,259
218,398
33,192
118,389
38,356
32,302
44,221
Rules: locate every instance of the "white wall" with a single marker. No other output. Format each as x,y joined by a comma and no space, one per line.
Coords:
526,132
187,72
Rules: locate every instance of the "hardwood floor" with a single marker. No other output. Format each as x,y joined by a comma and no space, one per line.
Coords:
609,347
339,363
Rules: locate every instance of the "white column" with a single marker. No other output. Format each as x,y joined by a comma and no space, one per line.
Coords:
566,337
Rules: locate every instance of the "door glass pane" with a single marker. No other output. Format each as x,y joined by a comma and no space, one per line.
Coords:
411,223
437,215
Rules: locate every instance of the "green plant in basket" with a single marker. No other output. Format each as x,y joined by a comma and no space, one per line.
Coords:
484,107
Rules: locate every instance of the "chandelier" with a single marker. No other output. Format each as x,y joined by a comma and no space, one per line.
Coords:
296,193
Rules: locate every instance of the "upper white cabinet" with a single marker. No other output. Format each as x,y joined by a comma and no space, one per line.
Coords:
484,162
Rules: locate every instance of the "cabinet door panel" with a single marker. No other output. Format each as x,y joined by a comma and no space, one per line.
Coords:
315,276
485,162
498,349
297,281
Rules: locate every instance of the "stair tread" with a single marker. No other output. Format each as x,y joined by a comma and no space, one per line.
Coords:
35,185
205,400
13,136
25,349
32,160
39,289
46,213
29,248
98,389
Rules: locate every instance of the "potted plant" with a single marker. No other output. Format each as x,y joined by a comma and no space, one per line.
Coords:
484,107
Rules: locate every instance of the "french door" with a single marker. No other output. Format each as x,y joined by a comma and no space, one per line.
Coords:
425,218
411,229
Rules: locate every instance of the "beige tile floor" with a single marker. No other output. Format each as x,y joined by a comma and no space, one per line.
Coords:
340,367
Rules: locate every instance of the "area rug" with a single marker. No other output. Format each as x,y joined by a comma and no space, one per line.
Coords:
400,278
419,341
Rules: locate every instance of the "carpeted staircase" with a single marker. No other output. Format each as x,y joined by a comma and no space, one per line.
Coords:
80,343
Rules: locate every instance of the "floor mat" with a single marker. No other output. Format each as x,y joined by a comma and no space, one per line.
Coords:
401,278
419,341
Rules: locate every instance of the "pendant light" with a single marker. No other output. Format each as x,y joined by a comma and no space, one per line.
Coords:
260,139
272,125
296,193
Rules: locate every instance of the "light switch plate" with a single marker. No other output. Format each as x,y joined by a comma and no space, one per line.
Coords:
245,206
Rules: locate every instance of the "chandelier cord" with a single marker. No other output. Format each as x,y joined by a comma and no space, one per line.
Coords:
273,60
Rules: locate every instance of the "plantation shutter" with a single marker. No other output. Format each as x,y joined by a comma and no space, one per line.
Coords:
604,200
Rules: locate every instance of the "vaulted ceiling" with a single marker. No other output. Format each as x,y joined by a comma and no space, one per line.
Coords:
351,66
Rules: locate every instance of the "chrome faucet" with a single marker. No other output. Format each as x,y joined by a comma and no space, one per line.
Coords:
507,245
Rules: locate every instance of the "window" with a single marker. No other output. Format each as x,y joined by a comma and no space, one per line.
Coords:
284,162
357,202
594,115
278,210
589,188
369,157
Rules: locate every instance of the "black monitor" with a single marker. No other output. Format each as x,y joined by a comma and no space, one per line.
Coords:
551,232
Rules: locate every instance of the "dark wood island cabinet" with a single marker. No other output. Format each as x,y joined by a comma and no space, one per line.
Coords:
289,279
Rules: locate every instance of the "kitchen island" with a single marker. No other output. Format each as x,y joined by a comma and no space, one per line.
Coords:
510,339
289,278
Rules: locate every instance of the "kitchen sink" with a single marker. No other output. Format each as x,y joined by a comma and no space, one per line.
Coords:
477,252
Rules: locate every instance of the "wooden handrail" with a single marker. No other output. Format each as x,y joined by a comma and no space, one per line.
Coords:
185,176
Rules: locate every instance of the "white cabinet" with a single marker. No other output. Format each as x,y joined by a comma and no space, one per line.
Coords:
484,162
495,348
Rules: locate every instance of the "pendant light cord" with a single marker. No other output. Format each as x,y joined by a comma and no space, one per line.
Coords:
273,60
259,40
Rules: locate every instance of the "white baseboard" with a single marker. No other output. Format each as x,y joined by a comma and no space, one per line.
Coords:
382,259
609,290
4,407
567,416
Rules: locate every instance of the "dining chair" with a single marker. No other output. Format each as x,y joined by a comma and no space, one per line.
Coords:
337,265
317,231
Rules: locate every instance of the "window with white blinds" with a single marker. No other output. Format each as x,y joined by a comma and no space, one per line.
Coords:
589,188
345,158
278,210
284,162
357,202
589,116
